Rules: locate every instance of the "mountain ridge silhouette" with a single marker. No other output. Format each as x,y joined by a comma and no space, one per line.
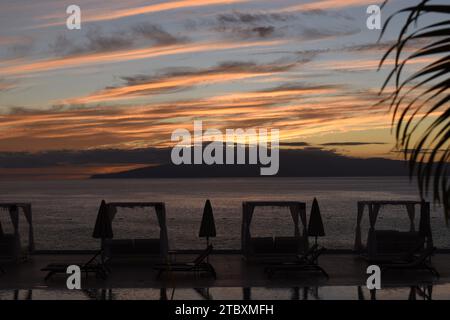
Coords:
293,163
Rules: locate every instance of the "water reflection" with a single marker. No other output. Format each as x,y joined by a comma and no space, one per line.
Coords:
416,292
22,295
295,293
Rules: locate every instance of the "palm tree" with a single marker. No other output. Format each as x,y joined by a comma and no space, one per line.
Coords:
420,99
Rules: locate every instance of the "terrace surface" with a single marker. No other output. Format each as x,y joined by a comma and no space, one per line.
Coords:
232,271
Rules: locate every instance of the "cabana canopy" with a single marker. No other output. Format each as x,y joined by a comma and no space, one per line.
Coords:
298,213
13,210
374,208
160,214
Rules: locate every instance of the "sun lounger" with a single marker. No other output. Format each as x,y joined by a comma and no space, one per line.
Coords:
133,251
269,250
198,265
415,262
391,245
295,258
305,262
9,249
91,266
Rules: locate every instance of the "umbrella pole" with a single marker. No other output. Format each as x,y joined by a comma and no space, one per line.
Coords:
102,252
316,246
102,257
207,245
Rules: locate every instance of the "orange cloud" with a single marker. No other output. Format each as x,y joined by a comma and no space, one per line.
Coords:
132,91
8,41
298,112
4,85
363,65
165,6
327,5
125,55
65,171
138,86
94,15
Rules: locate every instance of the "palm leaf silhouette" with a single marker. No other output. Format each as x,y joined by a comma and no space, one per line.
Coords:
420,101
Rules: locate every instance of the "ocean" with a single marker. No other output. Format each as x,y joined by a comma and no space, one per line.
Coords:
64,212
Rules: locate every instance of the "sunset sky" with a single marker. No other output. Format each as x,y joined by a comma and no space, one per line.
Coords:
137,70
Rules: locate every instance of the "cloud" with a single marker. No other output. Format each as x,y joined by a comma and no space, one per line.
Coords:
178,79
237,17
10,40
20,48
310,33
156,34
299,110
76,164
383,46
245,25
97,42
364,64
96,58
325,13
16,46
263,31
351,143
286,24
121,13
323,5
422,151
294,144
369,47
6,85
82,157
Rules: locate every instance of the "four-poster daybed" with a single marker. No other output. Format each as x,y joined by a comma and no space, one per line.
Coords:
10,244
387,245
153,248
262,248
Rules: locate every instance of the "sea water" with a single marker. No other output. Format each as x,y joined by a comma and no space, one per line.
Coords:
64,212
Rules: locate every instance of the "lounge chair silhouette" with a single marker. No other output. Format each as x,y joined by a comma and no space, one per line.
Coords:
91,266
197,265
421,261
305,262
9,245
2,271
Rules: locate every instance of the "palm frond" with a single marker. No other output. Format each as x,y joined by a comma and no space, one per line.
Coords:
420,102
